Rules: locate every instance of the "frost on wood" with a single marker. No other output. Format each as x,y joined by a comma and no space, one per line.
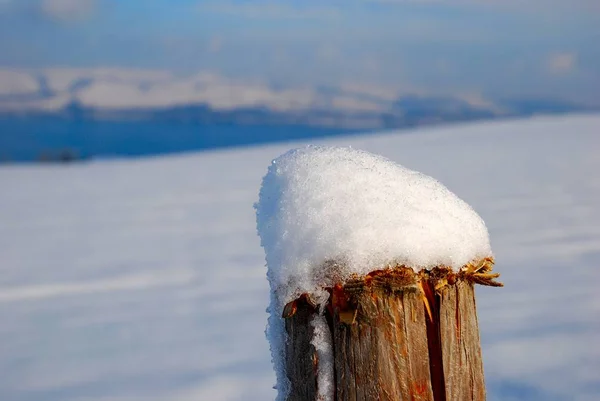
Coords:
322,342
326,215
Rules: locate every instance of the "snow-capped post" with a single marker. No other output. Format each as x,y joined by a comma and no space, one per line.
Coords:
371,267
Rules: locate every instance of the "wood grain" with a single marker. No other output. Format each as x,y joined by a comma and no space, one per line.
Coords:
461,348
386,346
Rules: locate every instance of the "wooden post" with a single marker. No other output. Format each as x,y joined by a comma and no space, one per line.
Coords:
397,335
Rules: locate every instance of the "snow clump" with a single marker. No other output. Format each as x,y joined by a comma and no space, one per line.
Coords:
327,213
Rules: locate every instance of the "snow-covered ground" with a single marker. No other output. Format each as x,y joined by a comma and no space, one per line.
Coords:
144,279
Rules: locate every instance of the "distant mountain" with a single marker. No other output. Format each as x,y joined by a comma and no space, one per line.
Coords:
71,114
205,98
530,106
406,111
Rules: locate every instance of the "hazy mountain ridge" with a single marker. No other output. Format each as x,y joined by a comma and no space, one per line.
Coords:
70,114
206,98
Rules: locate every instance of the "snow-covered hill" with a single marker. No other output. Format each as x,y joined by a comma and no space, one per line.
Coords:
144,280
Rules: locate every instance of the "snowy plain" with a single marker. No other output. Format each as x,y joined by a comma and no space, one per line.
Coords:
132,280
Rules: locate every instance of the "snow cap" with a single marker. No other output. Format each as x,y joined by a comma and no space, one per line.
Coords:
363,211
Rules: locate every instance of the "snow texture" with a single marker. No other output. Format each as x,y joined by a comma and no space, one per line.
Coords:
144,280
362,211
323,343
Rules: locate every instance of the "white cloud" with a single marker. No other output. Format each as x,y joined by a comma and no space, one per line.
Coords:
67,10
561,63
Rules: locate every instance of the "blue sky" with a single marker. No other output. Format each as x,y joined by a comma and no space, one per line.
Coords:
547,47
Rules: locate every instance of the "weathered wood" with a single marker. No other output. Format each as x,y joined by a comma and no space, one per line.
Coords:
434,340
300,365
383,355
397,336
461,348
